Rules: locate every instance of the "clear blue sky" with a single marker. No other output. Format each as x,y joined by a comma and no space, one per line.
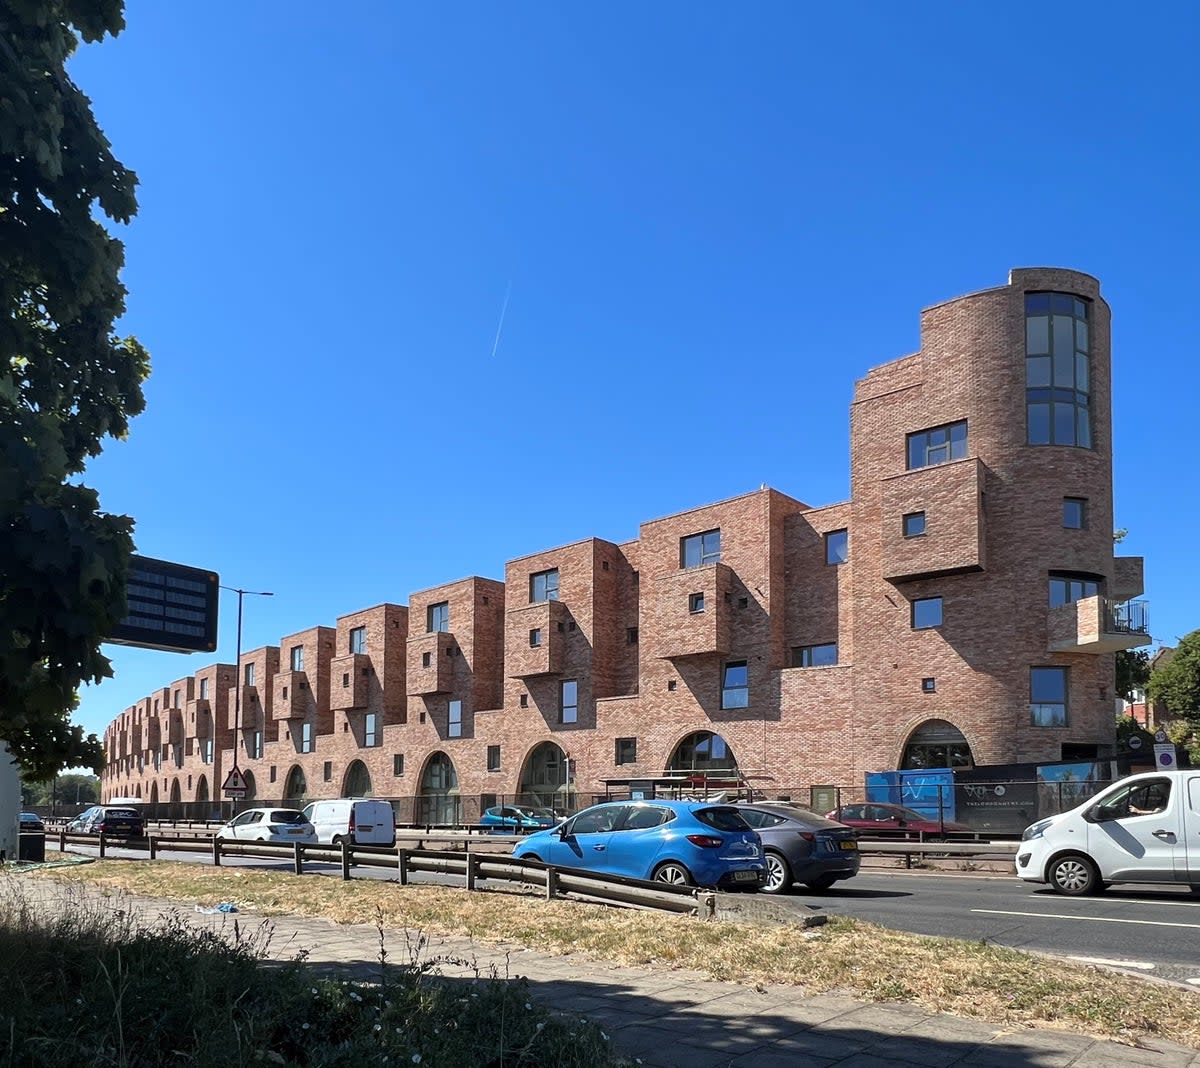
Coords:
709,220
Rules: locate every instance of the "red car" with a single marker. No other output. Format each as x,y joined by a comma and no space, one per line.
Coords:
894,819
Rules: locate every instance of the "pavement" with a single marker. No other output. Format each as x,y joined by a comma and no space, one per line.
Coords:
679,1019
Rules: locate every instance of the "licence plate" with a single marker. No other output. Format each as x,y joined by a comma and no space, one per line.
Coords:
848,845
745,876
296,830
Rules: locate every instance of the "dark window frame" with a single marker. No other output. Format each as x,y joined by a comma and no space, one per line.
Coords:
358,639
700,547
548,581
1036,702
568,711
733,692
941,612
912,524
802,653
832,539
1080,506
624,751
437,618
454,718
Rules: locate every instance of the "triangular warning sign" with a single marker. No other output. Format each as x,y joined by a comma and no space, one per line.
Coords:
235,780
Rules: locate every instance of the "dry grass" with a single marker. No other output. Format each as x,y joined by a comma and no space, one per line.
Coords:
969,979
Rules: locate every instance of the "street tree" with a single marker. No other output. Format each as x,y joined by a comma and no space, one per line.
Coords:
67,381
1176,685
1133,672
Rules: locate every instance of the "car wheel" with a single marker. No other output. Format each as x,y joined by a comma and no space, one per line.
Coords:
779,875
1073,875
672,872
821,883
531,856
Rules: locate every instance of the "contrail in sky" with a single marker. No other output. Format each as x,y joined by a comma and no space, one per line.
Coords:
503,312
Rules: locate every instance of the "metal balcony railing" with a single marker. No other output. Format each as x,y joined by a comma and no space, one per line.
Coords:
1126,617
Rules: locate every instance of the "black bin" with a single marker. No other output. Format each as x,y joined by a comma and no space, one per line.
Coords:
32,846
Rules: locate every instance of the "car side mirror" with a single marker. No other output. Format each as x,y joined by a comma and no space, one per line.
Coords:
1102,813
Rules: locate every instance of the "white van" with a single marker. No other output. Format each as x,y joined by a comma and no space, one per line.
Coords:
1143,829
358,820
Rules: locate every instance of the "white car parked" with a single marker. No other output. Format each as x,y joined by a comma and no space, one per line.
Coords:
268,825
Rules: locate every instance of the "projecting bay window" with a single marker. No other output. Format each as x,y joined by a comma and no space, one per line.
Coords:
937,445
700,550
1057,370
1065,588
543,586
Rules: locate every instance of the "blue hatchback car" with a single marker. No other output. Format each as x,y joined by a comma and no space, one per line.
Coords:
517,818
684,842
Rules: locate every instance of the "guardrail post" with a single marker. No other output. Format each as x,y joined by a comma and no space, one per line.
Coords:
62,841
551,883
471,859
345,861
298,857
216,844
101,845
153,846
402,866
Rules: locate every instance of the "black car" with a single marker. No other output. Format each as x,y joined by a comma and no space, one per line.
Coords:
109,820
31,821
801,846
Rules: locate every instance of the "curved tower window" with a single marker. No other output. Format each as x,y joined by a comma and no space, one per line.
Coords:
1066,586
1057,370
936,744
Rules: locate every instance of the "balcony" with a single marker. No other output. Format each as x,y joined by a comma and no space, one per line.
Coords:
527,661
685,629
350,678
430,665
291,695
1097,625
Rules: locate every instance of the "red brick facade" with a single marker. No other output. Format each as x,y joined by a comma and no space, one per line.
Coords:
656,640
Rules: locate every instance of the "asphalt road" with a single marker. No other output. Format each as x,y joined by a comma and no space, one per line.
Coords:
1144,929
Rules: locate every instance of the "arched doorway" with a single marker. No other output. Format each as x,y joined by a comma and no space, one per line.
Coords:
936,744
439,801
175,810
357,782
202,789
295,786
706,759
545,779
248,777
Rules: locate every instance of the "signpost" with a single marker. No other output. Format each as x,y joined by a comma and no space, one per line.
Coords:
171,607
234,786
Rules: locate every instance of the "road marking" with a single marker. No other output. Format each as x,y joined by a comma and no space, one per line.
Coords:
1094,919
1142,966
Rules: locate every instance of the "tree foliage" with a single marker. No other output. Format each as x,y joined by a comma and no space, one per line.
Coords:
1133,671
66,381
1177,683
65,789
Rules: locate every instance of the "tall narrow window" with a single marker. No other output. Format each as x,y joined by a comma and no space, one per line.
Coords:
568,695
437,616
358,640
938,445
204,689
256,745
735,685
1057,371
454,720
297,658
397,763
371,729
626,751
306,737
1075,513
543,586
837,547
493,758
535,637
249,674
698,550
1048,696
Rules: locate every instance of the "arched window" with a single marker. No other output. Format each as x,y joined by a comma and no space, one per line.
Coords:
439,801
936,744
703,754
357,782
545,779
296,786
202,788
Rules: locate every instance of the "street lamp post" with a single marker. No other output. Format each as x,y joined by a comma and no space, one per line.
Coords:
237,671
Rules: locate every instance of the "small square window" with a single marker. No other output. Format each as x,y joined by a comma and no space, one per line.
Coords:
928,686
695,602
1075,513
631,636
493,758
837,547
345,679
285,693
670,685
327,770
926,613
397,763
626,751
524,700
743,602
562,628
571,625
535,637
426,659
272,773
914,524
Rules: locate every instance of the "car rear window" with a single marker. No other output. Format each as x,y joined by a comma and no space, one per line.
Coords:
121,814
288,815
723,819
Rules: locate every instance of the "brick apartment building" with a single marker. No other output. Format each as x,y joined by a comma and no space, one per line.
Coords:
962,608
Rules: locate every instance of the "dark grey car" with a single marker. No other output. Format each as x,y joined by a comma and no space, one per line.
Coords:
801,846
